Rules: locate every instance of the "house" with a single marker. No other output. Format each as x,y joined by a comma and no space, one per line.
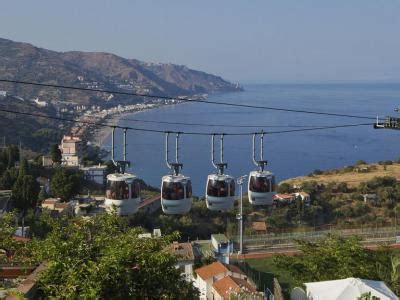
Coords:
210,274
185,258
370,198
47,161
57,207
229,286
259,227
349,288
222,247
70,150
96,174
305,197
284,199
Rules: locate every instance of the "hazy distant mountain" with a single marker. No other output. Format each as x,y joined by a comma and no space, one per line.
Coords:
22,61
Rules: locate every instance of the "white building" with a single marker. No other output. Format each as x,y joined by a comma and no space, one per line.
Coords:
97,174
40,103
70,150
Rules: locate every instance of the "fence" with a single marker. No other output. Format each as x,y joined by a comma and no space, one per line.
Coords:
264,281
270,242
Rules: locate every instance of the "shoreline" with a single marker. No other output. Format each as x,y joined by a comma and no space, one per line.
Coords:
97,135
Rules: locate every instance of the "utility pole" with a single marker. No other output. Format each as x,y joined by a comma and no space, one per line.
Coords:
239,216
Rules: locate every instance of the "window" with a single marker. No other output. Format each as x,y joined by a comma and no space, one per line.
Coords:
117,190
262,184
173,191
217,188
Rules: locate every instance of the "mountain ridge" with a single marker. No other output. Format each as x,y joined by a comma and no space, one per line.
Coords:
24,61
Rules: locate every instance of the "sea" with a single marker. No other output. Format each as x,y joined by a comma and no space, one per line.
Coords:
289,154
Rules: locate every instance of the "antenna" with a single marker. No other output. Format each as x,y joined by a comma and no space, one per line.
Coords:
259,163
221,165
176,166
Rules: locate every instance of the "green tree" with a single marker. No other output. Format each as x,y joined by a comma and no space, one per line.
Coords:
23,168
7,181
12,155
55,153
336,258
65,184
25,192
102,258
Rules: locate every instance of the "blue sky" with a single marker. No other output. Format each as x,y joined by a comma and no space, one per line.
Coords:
246,41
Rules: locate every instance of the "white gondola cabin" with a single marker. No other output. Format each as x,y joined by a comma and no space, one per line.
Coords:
220,188
122,193
261,188
176,194
220,192
176,189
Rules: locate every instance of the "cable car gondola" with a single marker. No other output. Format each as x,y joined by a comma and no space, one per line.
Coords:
176,189
220,189
261,185
123,189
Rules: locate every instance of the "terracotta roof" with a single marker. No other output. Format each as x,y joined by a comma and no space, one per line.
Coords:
182,251
20,238
211,270
15,271
225,286
259,226
50,201
283,196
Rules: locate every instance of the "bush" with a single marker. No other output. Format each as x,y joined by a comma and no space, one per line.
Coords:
318,172
360,162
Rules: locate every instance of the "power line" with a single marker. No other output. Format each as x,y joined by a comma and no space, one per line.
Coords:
217,124
98,124
186,100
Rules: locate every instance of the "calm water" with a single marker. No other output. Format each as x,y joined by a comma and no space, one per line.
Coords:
290,154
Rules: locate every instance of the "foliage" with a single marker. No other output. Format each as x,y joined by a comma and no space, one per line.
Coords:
284,188
103,258
360,162
65,184
25,192
13,249
55,153
338,258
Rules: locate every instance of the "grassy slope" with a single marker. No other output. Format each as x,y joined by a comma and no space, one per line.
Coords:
353,179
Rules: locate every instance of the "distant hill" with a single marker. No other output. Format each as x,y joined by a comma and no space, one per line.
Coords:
22,61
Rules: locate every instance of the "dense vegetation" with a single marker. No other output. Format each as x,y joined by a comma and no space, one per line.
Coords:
339,204
337,258
96,258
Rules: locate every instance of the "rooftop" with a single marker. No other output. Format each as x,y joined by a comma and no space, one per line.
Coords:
225,286
182,251
211,270
259,226
216,268
220,238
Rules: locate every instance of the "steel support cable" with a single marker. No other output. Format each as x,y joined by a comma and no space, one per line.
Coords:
184,100
98,124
